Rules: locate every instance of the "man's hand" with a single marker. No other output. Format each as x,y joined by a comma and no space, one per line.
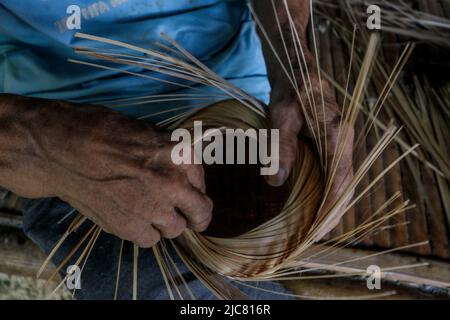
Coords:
114,170
293,122
322,121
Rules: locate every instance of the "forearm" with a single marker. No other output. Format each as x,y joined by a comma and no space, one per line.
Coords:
301,103
312,88
23,165
299,11
115,170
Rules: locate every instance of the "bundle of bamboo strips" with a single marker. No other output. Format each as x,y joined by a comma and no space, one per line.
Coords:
414,104
398,17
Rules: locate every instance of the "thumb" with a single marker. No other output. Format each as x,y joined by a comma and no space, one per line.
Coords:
287,153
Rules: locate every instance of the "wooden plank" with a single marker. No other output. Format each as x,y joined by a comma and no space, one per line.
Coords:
433,273
393,183
393,179
417,228
435,216
10,201
378,192
434,52
20,256
340,74
25,258
363,207
353,289
10,220
3,193
435,8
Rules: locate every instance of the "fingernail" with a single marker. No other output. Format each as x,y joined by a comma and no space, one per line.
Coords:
278,179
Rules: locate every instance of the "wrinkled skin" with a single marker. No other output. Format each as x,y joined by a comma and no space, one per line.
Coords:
115,170
286,111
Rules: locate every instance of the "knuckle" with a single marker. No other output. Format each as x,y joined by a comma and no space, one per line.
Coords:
169,218
335,119
202,225
197,171
147,239
175,231
129,231
173,225
196,176
126,235
153,237
202,220
145,244
177,188
209,206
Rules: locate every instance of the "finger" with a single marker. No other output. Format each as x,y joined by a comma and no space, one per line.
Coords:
341,173
136,231
339,189
289,126
339,162
332,201
196,176
194,173
195,206
146,238
170,224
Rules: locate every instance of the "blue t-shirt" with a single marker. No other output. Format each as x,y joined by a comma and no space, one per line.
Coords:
35,44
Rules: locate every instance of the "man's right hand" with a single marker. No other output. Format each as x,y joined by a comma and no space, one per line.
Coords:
115,170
